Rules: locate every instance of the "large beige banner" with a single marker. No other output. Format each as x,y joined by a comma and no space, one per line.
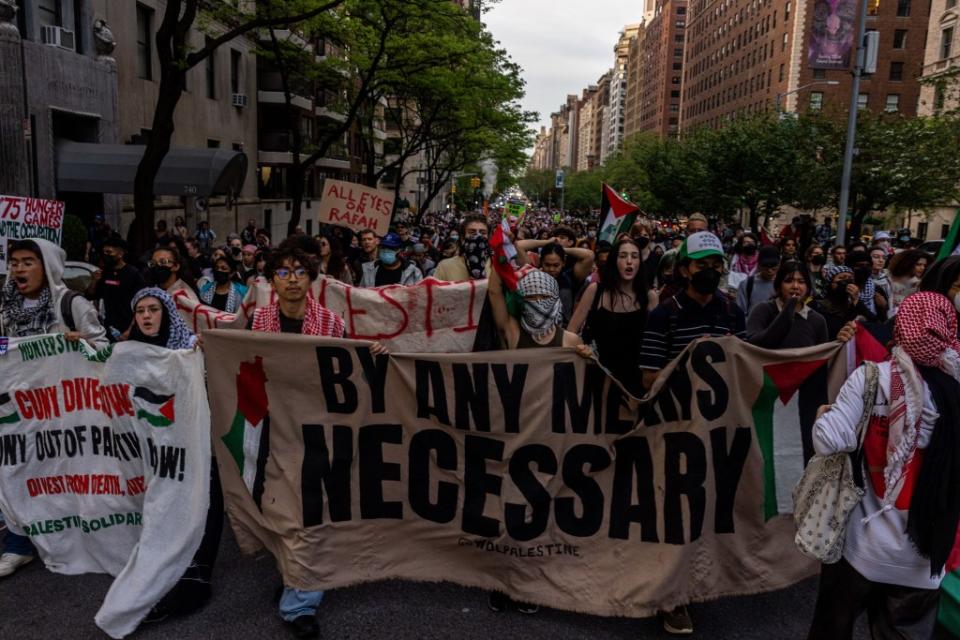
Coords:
528,471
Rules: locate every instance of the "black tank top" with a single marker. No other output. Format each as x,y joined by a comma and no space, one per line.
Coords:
618,337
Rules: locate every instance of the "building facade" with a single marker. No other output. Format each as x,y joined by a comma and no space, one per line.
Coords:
661,69
631,99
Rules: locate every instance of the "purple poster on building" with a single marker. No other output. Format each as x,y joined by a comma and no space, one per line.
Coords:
831,38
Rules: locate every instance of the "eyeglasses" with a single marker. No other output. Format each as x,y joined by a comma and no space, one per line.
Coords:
162,262
284,273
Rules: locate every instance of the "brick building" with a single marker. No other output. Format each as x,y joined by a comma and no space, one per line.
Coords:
661,68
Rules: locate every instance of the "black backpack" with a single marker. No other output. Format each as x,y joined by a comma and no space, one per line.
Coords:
66,309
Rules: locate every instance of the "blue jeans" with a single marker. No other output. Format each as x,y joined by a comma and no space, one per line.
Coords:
295,603
19,545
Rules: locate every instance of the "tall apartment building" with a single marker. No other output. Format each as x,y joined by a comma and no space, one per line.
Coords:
743,54
631,99
941,58
661,68
614,130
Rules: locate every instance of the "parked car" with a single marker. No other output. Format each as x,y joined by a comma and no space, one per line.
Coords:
932,246
76,275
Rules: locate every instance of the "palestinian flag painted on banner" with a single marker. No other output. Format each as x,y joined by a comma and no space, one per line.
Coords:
8,410
156,409
616,214
783,417
951,244
249,437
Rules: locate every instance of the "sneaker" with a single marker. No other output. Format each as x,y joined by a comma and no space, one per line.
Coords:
678,622
527,608
10,562
497,601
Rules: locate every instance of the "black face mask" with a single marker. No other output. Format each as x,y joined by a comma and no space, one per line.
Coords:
818,260
705,281
839,295
110,261
860,275
158,275
642,242
221,276
749,249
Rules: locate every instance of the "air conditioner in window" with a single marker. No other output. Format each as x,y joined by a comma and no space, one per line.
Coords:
58,37
239,99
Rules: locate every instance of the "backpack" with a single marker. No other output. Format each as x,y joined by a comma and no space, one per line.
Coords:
749,291
66,309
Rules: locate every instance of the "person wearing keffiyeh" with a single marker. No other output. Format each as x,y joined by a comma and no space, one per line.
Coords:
158,322
841,304
899,536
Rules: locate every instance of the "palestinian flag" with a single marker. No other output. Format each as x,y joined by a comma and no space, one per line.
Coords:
616,214
783,418
951,244
948,615
8,410
156,409
503,254
248,440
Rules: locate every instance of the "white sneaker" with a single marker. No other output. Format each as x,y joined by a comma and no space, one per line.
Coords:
10,562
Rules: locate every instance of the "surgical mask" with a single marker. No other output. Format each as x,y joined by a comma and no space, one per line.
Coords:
388,256
705,281
454,236
158,275
221,277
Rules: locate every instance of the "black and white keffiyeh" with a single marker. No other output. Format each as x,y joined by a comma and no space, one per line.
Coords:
20,320
539,317
174,333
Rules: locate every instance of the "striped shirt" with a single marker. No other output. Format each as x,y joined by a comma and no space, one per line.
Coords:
680,320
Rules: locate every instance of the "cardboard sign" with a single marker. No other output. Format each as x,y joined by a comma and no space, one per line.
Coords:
355,206
22,218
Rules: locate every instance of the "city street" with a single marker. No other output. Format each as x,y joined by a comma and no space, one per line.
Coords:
38,604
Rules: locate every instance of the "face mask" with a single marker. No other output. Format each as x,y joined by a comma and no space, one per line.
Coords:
388,256
749,249
454,236
476,251
839,295
221,277
110,261
860,275
539,316
705,281
642,242
819,260
158,275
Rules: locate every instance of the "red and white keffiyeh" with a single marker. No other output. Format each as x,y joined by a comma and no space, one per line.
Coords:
925,334
318,320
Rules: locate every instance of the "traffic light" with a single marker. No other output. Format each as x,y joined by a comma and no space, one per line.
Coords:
475,183
453,189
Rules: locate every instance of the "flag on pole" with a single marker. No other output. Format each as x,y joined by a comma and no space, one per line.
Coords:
503,254
616,214
950,243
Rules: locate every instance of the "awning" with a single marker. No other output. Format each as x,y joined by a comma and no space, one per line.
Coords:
111,168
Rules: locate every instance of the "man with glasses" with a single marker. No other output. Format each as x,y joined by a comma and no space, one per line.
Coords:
290,272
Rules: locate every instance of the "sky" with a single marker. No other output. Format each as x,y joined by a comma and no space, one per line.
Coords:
562,45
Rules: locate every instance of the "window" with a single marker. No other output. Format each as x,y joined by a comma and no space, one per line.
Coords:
922,230
783,45
675,80
896,71
951,4
678,52
900,39
786,12
674,94
680,24
213,144
235,61
781,73
678,38
873,6
49,13
893,103
144,42
863,100
903,8
211,73
681,11
944,230
816,100
939,97
819,74
677,66
946,43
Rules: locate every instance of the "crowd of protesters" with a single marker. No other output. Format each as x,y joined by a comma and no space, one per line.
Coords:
634,302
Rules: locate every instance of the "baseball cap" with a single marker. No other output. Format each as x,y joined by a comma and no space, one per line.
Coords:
881,235
700,245
391,241
768,256
250,248
697,217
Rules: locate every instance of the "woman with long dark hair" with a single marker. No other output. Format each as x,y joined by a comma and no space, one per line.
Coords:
613,313
784,321
332,260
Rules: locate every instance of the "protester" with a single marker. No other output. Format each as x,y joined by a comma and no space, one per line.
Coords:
247,267
613,313
421,259
944,278
223,292
642,233
788,249
905,270
249,233
785,322
391,268
473,263
34,301
872,299
115,286
555,261
841,305
815,259
899,535
838,255
759,288
541,318
180,228
696,223
369,250
205,235
878,271
332,261
165,270
745,255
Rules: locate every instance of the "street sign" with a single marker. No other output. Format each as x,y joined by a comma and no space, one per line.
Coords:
560,178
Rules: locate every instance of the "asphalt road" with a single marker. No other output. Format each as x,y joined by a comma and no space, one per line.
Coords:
35,603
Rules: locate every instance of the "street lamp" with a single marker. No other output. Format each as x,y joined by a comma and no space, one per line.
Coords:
781,96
